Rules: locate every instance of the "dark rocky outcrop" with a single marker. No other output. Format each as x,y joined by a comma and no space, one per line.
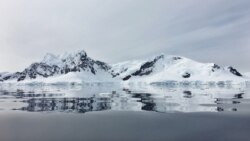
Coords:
234,71
177,58
186,75
126,78
215,67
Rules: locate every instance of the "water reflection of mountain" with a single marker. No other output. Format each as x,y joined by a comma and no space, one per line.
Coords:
185,101
78,105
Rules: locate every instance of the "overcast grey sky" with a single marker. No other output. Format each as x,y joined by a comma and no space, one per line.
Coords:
117,30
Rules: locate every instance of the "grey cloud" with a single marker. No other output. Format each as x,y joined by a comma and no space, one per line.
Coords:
113,31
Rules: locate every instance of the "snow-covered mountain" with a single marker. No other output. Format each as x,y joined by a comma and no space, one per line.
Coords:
173,68
77,67
69,67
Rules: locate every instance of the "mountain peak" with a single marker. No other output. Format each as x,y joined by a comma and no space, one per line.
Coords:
52,59
73,54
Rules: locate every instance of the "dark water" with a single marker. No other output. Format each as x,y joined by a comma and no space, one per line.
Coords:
111,112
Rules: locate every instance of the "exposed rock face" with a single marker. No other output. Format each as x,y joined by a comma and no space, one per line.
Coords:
186,75
147,67
234,71
126,78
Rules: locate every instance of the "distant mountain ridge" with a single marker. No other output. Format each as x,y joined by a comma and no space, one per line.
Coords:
77,66
53,65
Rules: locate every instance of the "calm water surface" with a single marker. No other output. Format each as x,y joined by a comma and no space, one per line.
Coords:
111,112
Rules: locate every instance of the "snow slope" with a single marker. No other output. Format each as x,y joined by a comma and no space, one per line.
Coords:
164,68
247,74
